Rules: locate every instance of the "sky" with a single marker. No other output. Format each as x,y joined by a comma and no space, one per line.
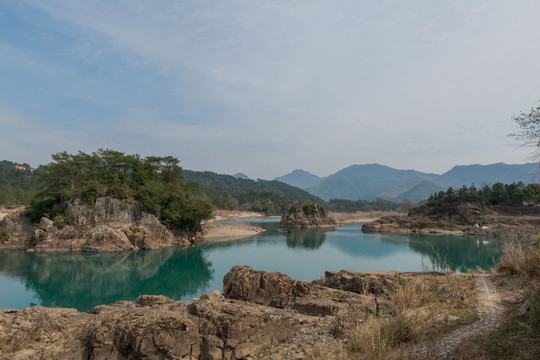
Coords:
266,87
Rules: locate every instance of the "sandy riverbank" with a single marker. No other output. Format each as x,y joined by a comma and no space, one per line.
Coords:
213,232
360,216
224,232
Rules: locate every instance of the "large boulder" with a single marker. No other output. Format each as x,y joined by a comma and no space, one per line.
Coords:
307,215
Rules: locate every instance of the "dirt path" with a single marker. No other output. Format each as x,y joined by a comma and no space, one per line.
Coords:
489,311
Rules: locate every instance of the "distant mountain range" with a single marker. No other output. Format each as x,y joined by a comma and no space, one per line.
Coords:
371,181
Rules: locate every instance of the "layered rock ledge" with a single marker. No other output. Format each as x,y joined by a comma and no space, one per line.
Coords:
308,215
109,225
257,310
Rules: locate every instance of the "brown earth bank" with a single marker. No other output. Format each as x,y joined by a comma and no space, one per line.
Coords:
260,315
109,225
460,220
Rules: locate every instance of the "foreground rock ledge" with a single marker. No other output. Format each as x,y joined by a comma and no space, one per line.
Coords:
259,310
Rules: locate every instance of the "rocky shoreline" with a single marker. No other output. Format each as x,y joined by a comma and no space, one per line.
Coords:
462,220
257,310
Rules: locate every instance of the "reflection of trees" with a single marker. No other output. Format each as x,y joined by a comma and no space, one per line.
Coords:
308,238
85,280
457,253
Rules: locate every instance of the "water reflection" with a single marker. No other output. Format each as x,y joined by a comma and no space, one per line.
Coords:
307,238
85,280
457,253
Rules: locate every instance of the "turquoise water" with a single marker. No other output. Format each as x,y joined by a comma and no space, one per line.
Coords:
82,281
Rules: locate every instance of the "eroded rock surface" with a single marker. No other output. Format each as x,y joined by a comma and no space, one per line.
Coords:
315,298
109,225
259,310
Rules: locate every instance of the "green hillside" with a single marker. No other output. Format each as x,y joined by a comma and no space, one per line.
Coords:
18,183
229,192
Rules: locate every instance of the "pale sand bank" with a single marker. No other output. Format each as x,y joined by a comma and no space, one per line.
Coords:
223,232
360,216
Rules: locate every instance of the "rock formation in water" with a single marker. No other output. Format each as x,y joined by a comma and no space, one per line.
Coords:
257,310
308,215
109,225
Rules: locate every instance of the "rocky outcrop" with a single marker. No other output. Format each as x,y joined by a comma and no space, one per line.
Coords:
259,310
109,225
308,215
461,219
152,327
316,298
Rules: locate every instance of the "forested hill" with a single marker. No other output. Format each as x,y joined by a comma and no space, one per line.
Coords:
229,192
18,183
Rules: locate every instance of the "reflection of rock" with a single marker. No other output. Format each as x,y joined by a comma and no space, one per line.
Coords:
306,238
109,225
86,280
309,215
209,327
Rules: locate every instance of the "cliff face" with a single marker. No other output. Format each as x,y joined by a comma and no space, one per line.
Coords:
252,315
310,215
110,225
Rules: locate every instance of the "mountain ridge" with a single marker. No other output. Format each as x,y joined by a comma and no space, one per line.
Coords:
371,181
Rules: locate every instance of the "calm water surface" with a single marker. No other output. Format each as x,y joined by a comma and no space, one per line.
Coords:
83,280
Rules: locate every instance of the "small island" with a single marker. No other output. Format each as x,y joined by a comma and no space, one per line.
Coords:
509,210
307,215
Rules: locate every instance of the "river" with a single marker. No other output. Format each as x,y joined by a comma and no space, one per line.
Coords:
83,280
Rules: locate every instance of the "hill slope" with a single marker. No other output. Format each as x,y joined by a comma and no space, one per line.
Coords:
228,192
301,179
359,181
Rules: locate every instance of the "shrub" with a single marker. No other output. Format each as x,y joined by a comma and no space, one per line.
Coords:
309,209
59,222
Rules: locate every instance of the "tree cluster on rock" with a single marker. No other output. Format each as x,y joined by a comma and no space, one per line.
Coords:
307,215
156,182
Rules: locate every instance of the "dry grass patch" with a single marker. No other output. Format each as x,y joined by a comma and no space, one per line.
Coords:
427,304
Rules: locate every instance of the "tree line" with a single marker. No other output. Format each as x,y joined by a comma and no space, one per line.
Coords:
512,195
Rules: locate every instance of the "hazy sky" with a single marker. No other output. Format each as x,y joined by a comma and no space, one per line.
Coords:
265,87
